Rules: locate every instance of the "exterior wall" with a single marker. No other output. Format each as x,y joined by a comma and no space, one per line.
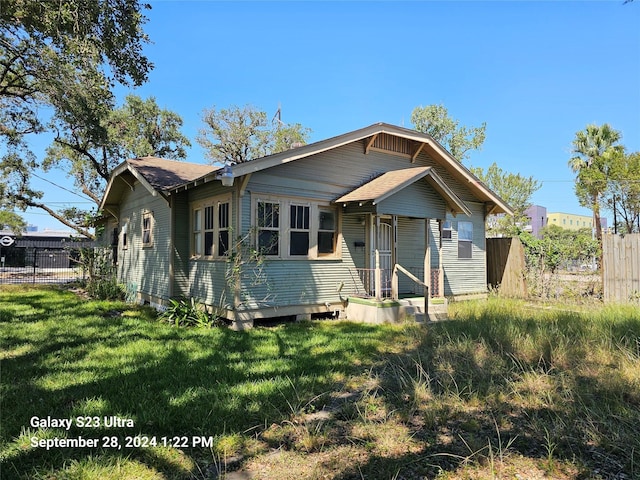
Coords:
537,219
410,252
208,277
181,215
144,270
314,282
574,222
331,174
466,276
418,200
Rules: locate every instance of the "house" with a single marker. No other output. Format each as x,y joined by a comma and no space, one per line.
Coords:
303,231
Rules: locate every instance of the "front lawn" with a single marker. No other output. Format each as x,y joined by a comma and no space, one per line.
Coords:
504,390
66,357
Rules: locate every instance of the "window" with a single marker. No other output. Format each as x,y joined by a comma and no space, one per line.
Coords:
197,231
125,243
446,230
208,231
210,226
223,228
326,232
268,221
299,233
465,239
147,229
296,228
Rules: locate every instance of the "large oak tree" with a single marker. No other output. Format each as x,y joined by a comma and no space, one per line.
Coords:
54,56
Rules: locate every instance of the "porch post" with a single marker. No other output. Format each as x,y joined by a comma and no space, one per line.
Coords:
440,271
378,279
427,254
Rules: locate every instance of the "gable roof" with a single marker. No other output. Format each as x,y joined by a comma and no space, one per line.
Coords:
422,142
164,177
158,175
392,182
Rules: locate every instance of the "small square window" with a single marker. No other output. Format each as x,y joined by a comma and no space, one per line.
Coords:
446,230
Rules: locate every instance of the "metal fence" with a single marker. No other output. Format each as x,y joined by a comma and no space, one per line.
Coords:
42,261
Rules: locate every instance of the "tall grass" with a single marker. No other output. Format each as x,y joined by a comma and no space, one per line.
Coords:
558,384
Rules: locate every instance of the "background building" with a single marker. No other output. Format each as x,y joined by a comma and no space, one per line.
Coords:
574,222
537,219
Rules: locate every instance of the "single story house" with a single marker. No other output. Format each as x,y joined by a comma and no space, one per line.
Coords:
305,230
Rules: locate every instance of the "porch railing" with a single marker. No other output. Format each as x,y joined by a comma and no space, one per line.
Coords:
365,282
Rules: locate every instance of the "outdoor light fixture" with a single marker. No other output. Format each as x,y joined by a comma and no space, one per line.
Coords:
226,176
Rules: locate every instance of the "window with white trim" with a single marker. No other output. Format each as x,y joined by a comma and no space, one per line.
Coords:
327,231
465,239
210,228
295,228
268,222
446,230
300,229
147,229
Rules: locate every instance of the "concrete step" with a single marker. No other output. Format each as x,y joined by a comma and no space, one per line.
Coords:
415,307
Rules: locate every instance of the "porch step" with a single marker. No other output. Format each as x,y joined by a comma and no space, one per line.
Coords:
415,307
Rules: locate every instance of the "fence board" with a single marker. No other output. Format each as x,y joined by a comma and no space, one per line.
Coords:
506,266
621,268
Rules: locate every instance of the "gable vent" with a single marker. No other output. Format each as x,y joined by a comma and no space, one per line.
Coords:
391,143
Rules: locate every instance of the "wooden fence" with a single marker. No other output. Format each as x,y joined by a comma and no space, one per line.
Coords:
506,266
621,268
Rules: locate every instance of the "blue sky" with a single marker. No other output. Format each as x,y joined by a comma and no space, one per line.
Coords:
535,72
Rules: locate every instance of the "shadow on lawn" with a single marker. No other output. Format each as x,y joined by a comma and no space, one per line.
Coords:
486,385
170,382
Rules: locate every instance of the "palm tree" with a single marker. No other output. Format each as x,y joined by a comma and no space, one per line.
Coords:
590,165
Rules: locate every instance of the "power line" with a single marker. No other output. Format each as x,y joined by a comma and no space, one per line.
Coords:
61,187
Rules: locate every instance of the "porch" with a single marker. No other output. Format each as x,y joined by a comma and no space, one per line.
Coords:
378,299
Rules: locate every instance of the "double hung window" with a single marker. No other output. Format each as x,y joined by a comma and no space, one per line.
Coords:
147,229
210,226
465,239
268,219
299,233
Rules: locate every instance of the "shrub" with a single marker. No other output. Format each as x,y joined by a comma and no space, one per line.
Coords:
189,312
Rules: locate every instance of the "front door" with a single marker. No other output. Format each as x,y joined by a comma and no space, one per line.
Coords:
382,239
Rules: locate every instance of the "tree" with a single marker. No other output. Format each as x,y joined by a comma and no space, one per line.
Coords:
237,135
435,121
514,189
623,190
92,139
593,149
47,51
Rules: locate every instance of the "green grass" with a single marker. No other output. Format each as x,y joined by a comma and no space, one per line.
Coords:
503,389
67,357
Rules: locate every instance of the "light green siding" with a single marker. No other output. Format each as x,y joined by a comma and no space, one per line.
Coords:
410,252
145,270
418,200
181,244
208,278
466,275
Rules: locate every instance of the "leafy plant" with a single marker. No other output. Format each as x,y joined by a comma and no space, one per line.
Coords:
189,312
